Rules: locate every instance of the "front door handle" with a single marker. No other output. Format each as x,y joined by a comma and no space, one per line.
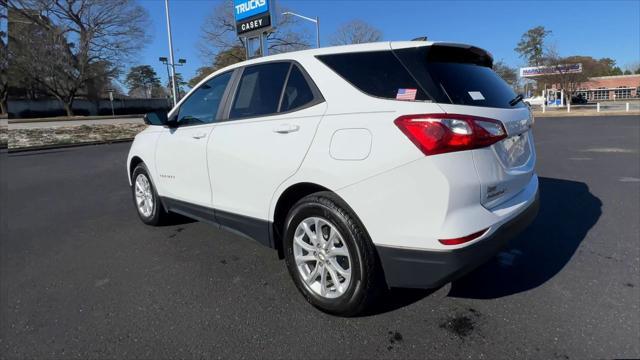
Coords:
286,128
200,136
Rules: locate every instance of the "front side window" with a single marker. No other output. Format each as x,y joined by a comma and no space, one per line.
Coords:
259,90
297,93
202,105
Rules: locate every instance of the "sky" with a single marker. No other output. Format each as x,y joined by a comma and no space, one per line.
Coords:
591,28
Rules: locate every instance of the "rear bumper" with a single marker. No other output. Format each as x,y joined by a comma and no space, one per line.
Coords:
430,269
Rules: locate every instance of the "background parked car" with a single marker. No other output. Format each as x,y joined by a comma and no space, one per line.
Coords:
534,100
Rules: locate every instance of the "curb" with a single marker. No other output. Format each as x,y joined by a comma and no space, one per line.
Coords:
56,119
62,146
578,114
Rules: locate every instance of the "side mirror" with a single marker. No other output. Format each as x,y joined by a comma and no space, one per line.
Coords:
154,118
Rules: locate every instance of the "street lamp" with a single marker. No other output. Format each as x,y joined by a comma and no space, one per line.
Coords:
316,21
165,61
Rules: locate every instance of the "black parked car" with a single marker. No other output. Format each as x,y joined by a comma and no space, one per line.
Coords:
578,100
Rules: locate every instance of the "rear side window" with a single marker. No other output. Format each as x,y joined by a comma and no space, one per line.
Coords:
377,73
259,90
297,93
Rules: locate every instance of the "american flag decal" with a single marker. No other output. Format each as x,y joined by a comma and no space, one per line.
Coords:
406,94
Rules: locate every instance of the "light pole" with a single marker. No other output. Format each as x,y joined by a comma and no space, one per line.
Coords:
316,21
172,79
173,67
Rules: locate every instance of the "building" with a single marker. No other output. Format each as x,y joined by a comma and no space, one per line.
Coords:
619,87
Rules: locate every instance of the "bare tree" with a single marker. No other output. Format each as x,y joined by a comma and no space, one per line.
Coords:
507,73
64,45
566,80
219,34
356,32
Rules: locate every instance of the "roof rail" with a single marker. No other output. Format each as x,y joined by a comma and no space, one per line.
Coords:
420,38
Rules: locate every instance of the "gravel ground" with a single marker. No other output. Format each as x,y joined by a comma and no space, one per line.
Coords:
3,133
21,138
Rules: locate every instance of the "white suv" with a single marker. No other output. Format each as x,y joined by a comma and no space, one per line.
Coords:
401,164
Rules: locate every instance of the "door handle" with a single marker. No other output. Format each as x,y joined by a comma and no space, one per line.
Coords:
286,128
200,136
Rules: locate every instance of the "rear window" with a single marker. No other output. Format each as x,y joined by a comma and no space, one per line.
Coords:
444,74
460,76
376,73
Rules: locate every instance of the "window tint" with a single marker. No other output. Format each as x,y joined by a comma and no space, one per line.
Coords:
458,76
202,105
474,85
297,93
377,73
259,90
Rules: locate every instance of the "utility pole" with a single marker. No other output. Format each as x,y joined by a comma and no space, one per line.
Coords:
173,67
317,32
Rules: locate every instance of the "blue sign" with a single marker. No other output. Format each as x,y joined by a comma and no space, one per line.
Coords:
243,9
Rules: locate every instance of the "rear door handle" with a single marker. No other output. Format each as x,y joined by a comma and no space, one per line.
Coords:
200,136
286,128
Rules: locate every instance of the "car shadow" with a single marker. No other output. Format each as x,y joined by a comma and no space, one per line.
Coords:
568,210
177,219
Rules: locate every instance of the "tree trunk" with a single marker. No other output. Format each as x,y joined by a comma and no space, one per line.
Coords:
68,107
3,107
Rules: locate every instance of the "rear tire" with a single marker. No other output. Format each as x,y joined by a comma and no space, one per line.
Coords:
146,199
330,256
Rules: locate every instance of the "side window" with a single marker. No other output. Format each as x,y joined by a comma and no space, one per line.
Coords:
377,73
202,105
259,90
297,93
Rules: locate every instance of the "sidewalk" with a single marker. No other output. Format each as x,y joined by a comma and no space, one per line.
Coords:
564,113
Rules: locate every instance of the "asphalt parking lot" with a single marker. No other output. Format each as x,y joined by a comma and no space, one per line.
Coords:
82,277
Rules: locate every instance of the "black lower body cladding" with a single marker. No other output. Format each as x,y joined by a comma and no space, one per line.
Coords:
430,269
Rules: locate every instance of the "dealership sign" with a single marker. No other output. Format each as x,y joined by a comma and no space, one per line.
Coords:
550,70
252,16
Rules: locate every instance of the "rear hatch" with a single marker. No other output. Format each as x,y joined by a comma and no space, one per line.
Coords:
460,79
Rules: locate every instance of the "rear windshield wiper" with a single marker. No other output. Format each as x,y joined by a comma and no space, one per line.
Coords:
516,100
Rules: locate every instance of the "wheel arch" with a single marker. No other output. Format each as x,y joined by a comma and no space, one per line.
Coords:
135,161
286,200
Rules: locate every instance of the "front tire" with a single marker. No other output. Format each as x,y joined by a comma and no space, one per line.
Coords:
330,257
146,199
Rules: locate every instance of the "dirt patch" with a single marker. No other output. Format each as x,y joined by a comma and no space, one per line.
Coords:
395,338
21,138
461,324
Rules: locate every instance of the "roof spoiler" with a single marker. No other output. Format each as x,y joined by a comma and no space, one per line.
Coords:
460,53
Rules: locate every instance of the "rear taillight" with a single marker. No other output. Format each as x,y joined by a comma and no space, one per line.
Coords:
443,133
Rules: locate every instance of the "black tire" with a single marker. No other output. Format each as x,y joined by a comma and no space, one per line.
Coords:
159,215
367,279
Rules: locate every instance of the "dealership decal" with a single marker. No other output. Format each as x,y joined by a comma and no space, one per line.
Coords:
253,24
246,8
